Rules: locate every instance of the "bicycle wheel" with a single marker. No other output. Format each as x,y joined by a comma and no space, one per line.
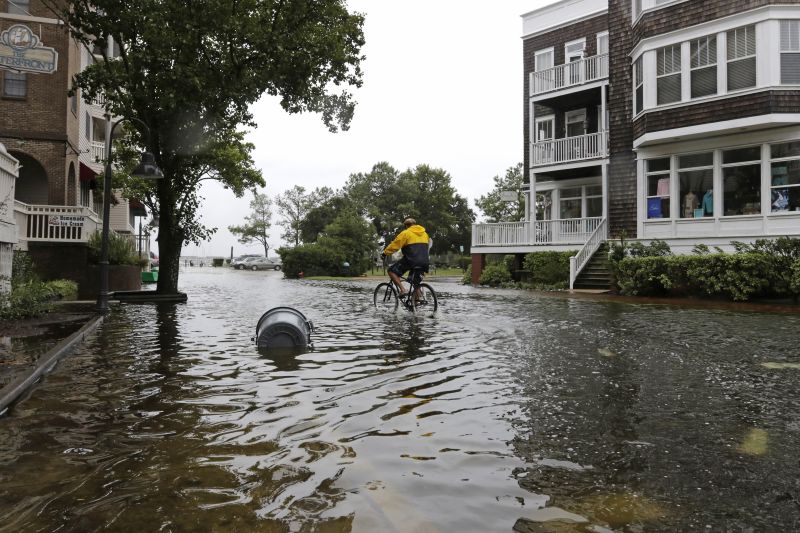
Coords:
425,301
385,297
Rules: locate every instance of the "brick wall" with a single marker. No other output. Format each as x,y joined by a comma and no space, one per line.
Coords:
622,167
691,13
585,29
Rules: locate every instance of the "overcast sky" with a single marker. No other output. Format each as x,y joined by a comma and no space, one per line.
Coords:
442,86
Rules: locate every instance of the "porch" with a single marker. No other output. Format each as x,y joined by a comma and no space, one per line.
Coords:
576,73
529,236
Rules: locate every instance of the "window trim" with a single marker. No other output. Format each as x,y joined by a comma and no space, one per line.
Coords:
597,42
708,65
6,96
582,40
672,73
728,60
544,118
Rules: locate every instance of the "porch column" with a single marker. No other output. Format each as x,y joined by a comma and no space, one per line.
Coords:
478,263
532,213
604,168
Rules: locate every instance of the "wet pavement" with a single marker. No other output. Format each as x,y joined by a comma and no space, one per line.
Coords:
505,410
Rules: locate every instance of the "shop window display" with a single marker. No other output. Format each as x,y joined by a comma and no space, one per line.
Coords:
658,187
741,181
785,177
696,182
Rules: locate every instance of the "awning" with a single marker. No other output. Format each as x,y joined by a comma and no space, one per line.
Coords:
87,174
137,208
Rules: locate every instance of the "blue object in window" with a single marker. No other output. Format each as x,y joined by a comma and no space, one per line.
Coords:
654,208
708,202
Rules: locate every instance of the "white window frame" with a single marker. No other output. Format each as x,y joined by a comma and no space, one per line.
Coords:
680,170
582,41
750,163
666,174
638,81
737,58
546,118
570,118
548,82
674,52
789,48
543,52
608,42
786,186
711,62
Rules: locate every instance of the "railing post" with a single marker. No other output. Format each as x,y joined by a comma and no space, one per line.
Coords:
572,267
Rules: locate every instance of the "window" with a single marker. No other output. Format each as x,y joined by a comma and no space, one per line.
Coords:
594,200
575,122
696,182
742,58
15,84
602,43
19,7
704,66
657,183
638,86
543,153
790,52
571,200
88,125
785,177
668,75
85,191
573,53
741,181
543,61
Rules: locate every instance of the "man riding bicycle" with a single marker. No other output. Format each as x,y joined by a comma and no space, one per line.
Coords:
414,243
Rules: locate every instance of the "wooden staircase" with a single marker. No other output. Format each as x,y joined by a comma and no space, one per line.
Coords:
596,274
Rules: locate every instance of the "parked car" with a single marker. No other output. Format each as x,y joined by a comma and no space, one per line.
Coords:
238,262
261,263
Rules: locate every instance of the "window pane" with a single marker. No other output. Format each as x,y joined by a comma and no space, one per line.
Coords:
594,190
785,149
656,165
602,44
740,155
639,98
14,84
571,193
742,74
704,82
790,35
657,207
697,193
786,173
785,199
658,185
696,160
790,68
19,7
571,208
742,190
594,207
669,89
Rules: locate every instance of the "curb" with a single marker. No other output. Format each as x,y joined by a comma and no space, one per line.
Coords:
11,392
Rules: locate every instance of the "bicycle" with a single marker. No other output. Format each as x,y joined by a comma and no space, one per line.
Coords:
419,297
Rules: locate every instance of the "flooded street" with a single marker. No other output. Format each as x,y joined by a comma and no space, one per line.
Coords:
504,409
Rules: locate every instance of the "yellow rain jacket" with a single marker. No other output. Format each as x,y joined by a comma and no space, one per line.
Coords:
413,242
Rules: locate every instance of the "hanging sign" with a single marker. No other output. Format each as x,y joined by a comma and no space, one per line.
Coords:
70,221
509,196
21,50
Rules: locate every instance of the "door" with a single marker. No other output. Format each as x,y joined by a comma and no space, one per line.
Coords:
573,53
545,129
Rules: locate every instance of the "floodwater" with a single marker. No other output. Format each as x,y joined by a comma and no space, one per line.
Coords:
506,410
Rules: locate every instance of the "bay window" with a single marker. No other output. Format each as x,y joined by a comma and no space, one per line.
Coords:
741,181
638,87
696,183
790,52
704,66
668,75
657,182
785,177
741,58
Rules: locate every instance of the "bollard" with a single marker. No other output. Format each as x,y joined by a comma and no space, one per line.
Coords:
283,327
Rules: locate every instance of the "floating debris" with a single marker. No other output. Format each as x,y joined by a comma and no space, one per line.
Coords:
754,443
780,366
605,352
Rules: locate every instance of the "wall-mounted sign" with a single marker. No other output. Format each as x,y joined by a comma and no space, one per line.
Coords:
21,50
70,221
509,196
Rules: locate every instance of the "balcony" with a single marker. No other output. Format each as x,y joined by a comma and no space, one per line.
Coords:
570,149
573,74
571,231
55,223
97,151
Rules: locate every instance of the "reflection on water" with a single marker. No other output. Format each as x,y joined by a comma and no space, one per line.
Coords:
505,410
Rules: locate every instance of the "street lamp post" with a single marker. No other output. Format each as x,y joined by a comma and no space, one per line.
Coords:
146,169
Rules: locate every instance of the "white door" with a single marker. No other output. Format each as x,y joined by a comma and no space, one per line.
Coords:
573,53
545,129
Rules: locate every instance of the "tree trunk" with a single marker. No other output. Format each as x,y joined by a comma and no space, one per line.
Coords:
170,241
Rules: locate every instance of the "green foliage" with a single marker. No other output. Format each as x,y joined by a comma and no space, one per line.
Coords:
548,269
466,279
656,248
497,210
464,262
121,250
495,275
257,223
313,224
794,283
62,289
312,260
217,261
33,298
22,270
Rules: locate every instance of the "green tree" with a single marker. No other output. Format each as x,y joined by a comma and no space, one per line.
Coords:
495,209
257,223
317,218
191,74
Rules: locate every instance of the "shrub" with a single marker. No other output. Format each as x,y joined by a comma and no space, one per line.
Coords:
794,284
217,261
466,279
464,262
312,260
121,250
495,275
62,289
548,269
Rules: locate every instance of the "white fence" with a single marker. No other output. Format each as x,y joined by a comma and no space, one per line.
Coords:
541,232
578,148
576,73
55,223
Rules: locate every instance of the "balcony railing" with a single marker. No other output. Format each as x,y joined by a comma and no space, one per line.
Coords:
541,232
569,75
55,223
97,151
569,149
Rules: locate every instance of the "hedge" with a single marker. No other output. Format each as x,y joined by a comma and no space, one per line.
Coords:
548,269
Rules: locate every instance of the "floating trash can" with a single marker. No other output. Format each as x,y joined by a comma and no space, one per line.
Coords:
283,327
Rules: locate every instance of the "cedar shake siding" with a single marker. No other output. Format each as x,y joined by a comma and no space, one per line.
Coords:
556,39
691,13
622,205
763,103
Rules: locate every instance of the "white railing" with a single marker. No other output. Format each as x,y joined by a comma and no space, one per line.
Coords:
55,223
540,232
578,148
97,151
571,74
99,101
581,259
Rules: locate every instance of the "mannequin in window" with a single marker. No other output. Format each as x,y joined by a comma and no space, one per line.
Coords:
708,202
690,203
